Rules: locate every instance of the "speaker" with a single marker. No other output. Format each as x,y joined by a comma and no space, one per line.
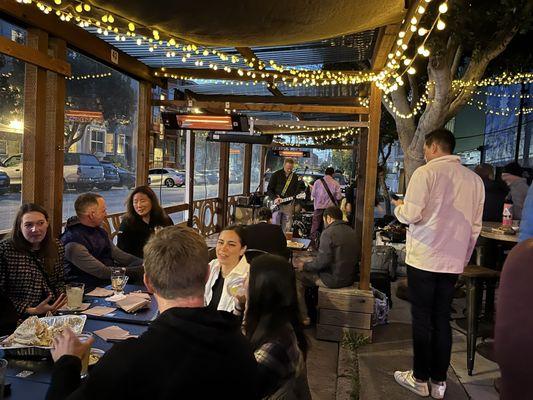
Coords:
244,215
169,120
239,138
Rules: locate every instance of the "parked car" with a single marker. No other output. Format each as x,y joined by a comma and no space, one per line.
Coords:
127,178
166,176
111,176
4,182
81,171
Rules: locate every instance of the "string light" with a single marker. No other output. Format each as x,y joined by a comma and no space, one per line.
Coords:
89,76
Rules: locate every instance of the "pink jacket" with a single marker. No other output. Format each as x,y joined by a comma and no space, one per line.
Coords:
443,207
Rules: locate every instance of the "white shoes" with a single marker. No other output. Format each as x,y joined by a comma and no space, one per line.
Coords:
438,390
408,381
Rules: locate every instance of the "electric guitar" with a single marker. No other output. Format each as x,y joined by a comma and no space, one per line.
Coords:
275,207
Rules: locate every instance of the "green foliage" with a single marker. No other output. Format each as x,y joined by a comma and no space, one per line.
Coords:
352,341
11,89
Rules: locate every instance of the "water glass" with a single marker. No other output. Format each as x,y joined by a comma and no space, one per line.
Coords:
118,279
83,337
74,293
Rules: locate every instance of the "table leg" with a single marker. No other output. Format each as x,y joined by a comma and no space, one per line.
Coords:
471,325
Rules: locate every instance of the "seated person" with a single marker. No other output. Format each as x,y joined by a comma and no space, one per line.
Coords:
143,216
518,187
89,253
265,236
495,193
230,263
274,330
31,266
188,351
335,266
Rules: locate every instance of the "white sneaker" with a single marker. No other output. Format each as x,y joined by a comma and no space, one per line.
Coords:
438,390
408,381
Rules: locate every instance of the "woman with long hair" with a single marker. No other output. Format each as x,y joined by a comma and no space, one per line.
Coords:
143,216
229,266
31,264
273,327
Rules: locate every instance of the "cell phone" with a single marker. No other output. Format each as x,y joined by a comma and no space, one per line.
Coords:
394,196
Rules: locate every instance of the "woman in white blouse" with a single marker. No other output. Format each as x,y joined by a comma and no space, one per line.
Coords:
230,265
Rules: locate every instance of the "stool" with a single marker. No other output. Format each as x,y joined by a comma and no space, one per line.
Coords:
475,276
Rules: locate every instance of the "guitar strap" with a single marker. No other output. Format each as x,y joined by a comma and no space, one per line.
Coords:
287,183
333,199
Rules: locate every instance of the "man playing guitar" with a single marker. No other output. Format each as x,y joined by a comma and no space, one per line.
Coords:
284,183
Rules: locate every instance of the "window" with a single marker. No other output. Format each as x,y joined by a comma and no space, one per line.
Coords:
11,126
206,167
255,177
236,163
100,122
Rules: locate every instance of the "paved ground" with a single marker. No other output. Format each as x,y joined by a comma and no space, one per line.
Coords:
322,367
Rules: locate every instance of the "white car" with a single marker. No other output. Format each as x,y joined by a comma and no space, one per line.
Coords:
166,176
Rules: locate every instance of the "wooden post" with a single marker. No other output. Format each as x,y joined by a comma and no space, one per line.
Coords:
247,165
143,132
223,184
262,160
370,186
360,187
51,172
34,122
189,170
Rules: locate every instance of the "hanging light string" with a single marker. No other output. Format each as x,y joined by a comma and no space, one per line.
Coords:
89,76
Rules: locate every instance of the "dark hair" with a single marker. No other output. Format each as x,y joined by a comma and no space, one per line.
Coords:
485,171
288,161
48,248
272,301
443,138
157,214
239,230
514,169
86,200
329,171
333,212
264,214
176,262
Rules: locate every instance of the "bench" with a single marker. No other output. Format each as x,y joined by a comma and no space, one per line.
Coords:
346,310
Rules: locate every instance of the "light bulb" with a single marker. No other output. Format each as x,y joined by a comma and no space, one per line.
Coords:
111,19
401,34
421,50
411,71
87,7
413,28
441,25
79,8
426,53
443,8
421,10
131,26
422,31
414,20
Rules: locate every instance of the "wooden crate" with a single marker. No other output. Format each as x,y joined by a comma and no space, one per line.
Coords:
344,318
346,299
336,333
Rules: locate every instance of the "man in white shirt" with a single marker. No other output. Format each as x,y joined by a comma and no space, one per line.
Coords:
443,207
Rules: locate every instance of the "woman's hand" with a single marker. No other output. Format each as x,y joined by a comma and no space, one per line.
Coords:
44,306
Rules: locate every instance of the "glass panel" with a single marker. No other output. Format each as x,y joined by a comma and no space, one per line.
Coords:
236,163
100,133
206,167
11,127
255,177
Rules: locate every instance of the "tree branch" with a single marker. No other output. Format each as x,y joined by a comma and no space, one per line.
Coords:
456,61
415,95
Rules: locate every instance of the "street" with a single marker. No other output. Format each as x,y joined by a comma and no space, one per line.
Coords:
115,199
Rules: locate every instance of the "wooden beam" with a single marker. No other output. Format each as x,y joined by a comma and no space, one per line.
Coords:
311,124
34,57
189,186
235,98
51,172
370,186
387,37
79,38
34,140
247,165
144,108
300,108
264,152
223,185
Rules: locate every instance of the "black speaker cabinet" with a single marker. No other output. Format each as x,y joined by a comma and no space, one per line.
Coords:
244,215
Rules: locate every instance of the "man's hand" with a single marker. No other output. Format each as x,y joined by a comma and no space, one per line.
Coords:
397,203
44,306
66,343
277,200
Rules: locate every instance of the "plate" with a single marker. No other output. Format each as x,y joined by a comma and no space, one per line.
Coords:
95,356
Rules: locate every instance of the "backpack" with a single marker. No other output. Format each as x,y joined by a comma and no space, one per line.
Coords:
384,261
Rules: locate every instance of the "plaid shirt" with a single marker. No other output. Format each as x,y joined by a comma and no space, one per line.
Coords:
22,281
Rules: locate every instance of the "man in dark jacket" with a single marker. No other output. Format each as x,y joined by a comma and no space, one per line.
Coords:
495,192
266,236
189,351
89,253
284,183
336,262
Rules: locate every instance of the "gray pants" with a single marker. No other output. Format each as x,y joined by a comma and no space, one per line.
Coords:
283,216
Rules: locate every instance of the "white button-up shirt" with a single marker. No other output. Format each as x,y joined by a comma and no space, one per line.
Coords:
227,302
443,207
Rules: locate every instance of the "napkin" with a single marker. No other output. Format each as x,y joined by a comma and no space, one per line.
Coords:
100,292
142,295
116,297
84,306
98,311
114,333
132,303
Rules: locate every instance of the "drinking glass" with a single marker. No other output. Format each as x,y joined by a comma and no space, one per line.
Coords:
235,286
74,293
288,235
3,369
118,279
83,337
